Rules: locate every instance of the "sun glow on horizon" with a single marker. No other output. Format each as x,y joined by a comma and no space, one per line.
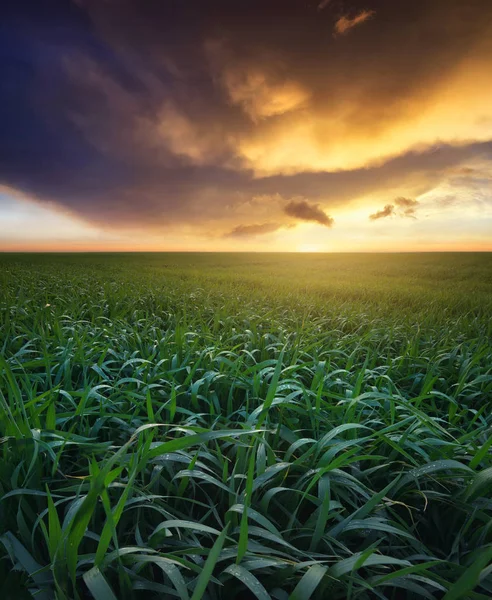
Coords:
439,222
307,248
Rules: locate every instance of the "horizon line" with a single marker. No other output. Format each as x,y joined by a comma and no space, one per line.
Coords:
54,252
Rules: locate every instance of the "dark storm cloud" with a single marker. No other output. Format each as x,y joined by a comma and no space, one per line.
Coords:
153,113
305,211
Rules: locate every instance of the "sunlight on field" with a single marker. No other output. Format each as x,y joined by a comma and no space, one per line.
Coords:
252,412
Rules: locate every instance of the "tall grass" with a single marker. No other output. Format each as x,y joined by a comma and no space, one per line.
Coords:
252,426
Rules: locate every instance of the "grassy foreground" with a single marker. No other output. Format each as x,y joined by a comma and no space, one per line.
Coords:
246,426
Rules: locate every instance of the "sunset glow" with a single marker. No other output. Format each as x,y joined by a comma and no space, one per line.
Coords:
202,129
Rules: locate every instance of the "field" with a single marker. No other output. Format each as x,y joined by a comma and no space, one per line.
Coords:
246,426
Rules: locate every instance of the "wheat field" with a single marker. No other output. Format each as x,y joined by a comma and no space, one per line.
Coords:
246,426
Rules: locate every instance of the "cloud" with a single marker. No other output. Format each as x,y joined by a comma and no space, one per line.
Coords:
323,4
253,230
408,206
299,209
345,23
406,202
181,115
446,201
388,211
262,94
305,211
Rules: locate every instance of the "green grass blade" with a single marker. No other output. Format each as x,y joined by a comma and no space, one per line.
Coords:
97,585
208,568
308,583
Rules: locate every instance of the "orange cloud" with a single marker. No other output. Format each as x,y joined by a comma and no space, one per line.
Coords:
260,91
408,206
260,97
346,23
388,211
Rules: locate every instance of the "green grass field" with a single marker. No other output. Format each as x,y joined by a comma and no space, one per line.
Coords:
246,426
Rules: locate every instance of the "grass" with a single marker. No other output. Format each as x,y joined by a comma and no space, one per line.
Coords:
246,426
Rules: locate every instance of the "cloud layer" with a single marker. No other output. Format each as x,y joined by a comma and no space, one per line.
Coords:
242,119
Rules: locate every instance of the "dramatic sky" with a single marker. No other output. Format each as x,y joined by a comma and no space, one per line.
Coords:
331,125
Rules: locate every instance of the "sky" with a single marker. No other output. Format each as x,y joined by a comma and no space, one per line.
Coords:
259,125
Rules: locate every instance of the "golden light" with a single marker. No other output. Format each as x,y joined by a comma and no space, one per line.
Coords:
308,248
